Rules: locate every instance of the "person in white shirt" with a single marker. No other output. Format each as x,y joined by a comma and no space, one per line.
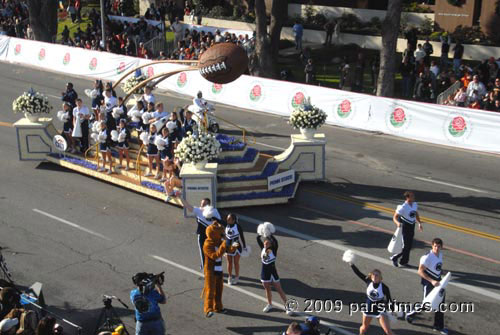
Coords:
148,96
430,271
205,214
476,88
406,215
434,68
419,53
82,113
160,113
177,30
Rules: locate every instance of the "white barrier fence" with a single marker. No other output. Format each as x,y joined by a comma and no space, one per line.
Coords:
451,126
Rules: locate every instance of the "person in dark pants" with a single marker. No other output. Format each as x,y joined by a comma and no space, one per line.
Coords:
406,215
70,95
430,270
329,28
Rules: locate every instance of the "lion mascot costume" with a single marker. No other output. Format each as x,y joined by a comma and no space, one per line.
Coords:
213,248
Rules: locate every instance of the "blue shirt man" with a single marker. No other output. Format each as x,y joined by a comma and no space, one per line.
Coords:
147,312
298,30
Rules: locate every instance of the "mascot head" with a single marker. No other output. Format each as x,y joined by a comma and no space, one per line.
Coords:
215,233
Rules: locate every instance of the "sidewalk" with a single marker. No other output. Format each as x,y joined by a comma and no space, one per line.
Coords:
292,51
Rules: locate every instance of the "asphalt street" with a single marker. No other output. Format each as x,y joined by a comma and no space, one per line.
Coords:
83,238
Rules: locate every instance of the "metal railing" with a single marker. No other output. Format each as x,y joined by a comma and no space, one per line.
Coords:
449,91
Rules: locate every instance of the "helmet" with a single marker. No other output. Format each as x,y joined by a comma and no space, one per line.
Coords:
199,94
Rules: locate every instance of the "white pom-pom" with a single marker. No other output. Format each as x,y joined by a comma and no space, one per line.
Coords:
268,229
122,137
135,115
209,212
245,252
94,136
260,229
349,256
114,135
147,116
160,143
91,93
171,125
144,138
63,116
117,111
102,138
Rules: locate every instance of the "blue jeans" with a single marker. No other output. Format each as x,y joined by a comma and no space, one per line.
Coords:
156,327
298,42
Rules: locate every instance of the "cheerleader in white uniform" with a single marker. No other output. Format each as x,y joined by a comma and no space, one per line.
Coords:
166,154
135,114
269,274
123,138
148,96
105,149
234,233
377,298
153,154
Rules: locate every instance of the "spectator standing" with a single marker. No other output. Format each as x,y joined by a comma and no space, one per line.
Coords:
458,53
445,49
429,50
72,11
329,28
374,69
460,97
419,53
359,72
298,31
78,8
309,71
497,106
177,29
434,68
406,70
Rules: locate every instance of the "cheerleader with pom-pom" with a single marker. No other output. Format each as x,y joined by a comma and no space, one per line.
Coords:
119,111
377,296
122,139
96,94
269,275
153,155
148,95
66,116
234,233
135,114
173,179
104,148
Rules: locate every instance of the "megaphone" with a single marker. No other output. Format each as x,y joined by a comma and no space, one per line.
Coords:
436,296
396,244
77,132
161,123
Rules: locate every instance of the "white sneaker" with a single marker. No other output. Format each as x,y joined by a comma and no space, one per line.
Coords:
168,198
149,174
230,281
157,176
267,308
101,169
126,169
235,280
109,171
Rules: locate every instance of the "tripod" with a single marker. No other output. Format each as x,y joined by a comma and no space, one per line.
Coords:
109,319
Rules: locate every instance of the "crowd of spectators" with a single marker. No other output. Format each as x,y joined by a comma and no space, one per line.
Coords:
424,79
15,319
14,19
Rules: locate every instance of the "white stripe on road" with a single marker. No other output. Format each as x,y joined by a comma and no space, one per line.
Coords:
450,184
71,224
333,245
250,294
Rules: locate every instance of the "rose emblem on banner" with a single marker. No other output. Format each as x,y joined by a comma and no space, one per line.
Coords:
182,79
457,126
41,54
121,68
344,109
298,99
67,58
93,64
17,49
151,72
216,88
256,93
398,117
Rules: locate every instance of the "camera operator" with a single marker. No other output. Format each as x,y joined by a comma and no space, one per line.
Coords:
145,299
